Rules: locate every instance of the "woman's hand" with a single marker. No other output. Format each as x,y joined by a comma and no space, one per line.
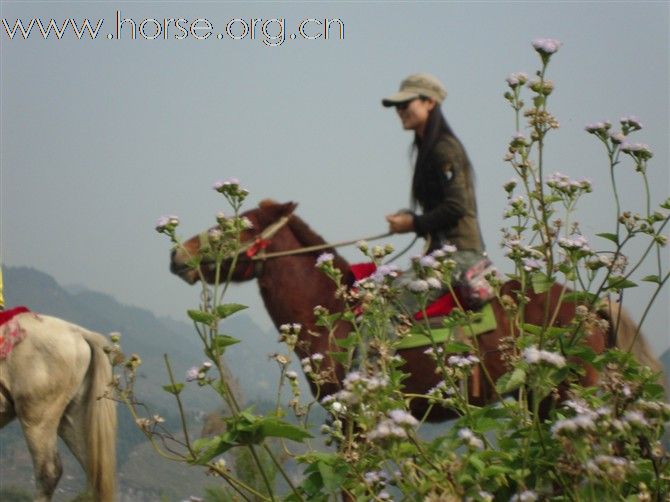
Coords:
400,223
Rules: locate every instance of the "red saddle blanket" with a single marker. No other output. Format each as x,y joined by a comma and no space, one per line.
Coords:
440,307
10,331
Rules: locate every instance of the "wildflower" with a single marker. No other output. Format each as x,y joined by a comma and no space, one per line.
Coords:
317,357
215,235
291,375
337,407
599,128
324,258
525,496
533,355
387,429
469,438
617,137
516,79
385,271
449,249
531,264
403,418
246,223
546,46
220,217
166,224
434,283
463,362
510,185
418,286
192,374
635,418
630,123
583,422
363,246
639,151
221,186
578,243
428,261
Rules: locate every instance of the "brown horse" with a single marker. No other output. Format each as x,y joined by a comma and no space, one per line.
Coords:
53,382
291,286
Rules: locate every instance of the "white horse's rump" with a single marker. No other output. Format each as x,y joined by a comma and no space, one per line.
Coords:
53,382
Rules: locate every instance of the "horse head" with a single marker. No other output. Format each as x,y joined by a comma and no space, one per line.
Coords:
264,222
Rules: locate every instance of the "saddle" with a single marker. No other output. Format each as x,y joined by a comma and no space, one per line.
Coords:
10,331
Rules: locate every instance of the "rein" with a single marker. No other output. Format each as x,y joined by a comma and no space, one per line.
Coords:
254,249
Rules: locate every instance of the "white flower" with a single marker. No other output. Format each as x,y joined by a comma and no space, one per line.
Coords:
291,375
434,283
403,418
469,438
338,407
526,496
418,286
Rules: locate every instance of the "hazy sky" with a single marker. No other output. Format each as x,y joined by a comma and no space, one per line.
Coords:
101,137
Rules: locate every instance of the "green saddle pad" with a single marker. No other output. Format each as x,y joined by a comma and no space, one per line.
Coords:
487,322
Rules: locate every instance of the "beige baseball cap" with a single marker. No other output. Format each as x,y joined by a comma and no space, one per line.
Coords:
418,84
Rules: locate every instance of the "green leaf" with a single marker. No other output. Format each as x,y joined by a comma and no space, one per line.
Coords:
620,283
173,388
457,348
532,329
541,282
277,428
200,316
580,297
652,278
511,381
210,448
339,357
228,309
609,237
347,342
477,463
223,341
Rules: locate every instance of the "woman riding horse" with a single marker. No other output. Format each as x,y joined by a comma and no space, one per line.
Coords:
443,182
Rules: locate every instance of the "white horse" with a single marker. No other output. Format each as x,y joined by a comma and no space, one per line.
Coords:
53,382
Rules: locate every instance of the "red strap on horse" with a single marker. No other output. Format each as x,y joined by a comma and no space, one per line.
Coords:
258,245
7,315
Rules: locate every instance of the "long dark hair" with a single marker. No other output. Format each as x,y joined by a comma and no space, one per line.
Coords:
428,182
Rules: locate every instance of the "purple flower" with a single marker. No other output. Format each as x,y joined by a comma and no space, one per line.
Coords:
324,258
546,46
192,374
166,223
428,261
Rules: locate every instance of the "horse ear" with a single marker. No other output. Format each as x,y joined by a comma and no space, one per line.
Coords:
273,210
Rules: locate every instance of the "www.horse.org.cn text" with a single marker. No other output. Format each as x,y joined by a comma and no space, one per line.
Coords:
271,32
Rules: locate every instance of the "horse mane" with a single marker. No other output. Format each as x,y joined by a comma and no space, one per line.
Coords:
308,237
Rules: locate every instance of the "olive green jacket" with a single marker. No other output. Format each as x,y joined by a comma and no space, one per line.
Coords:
454,219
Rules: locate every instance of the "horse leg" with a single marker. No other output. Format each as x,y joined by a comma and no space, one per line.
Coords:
41,440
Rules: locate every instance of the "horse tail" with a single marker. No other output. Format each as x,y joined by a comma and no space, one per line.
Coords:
629,338
100,422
